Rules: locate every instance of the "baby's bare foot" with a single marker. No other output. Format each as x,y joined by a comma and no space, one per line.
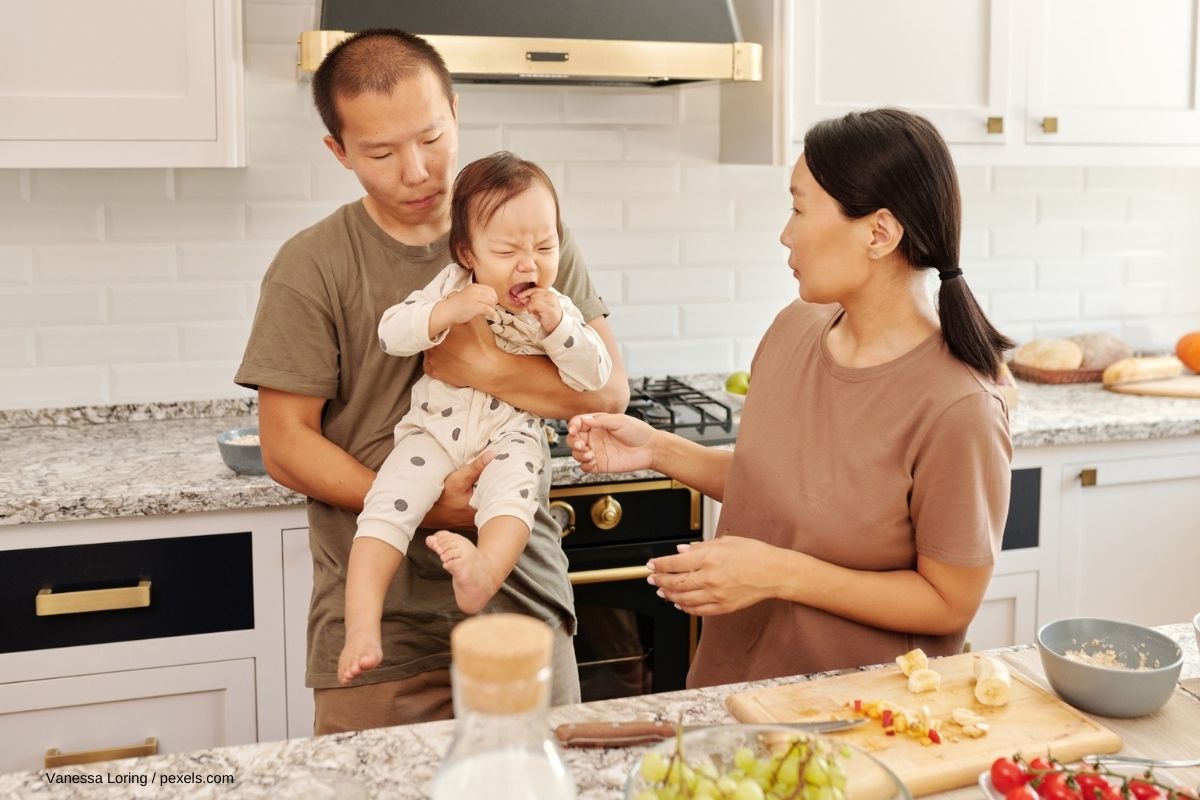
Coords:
473,584
360,653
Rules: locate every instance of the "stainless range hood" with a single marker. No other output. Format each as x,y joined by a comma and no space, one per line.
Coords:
615,42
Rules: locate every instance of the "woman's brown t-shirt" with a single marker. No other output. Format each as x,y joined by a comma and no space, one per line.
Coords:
864,468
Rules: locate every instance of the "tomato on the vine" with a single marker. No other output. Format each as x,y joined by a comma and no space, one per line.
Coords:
1091,785
1143,791
1040,764
1047,785
1007,775
1022,792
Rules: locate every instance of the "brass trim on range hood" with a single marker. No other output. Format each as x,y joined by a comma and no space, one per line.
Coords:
534,60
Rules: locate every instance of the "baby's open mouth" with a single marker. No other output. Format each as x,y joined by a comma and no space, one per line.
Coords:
515,292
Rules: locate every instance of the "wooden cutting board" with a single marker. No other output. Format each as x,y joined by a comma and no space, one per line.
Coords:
1183,386
1033,722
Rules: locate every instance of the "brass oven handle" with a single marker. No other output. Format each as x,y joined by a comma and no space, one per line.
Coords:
57,758
608,575
606,513
48,603
569,528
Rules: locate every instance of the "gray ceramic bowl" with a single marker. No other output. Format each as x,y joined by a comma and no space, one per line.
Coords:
244,459
1151,664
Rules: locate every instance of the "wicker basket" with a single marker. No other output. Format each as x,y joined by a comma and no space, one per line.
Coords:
1036,375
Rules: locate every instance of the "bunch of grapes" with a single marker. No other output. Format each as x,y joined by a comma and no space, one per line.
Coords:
794,768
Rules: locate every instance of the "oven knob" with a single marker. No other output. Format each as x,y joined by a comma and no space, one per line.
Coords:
564,515
606,513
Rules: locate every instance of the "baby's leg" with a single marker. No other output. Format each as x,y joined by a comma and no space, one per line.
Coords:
506,497
408,484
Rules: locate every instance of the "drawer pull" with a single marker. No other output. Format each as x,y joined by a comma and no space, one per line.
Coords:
608,575
57,758
48,603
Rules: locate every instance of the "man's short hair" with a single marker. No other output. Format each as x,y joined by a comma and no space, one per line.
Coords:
373,61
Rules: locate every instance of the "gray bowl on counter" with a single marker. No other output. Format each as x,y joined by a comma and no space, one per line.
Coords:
1109,667
240,453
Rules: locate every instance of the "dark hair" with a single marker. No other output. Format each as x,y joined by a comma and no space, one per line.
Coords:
486,184
893,159
373,61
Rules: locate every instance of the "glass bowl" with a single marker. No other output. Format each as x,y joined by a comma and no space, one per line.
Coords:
712,751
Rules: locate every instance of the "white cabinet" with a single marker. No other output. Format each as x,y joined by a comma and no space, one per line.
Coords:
1131,536
123,83
1008,614
297,590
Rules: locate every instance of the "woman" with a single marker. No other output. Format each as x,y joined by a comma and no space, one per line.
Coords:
866,498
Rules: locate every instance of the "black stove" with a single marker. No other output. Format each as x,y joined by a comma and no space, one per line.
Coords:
669,404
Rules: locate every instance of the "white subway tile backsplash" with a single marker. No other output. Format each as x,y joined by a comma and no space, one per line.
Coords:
990,276
281,101
590,213
1078,209
16,350
1160,334
215,301
729,319
1124,302
16,266
631,323
1162,270
94,264
278,140
1144,238
1097,272
79,345
518,105
565,144
734,249
999,210
151,222
136,383
678,285
974,180
700,104
11,186
271,61
225,262
50,306
622,179
609,285
768,213
266,182
476,142
278,22
660,358
679,214
57,222
1186,302
1064,242
1037,179
1129,179
765,181
1065,330
213,341
55,387
620,107
765,283
333,182
1006,307
613,249
277,222
974,245
73,185
683,143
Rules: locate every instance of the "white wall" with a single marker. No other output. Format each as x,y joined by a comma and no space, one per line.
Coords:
122,286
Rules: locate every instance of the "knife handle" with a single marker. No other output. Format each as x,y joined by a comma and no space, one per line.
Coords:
613,734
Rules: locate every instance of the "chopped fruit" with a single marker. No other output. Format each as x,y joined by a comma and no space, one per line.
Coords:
993,685
924,680
966,717
934,736
912,661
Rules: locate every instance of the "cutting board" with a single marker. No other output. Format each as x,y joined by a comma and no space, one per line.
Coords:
1183,386
1032,723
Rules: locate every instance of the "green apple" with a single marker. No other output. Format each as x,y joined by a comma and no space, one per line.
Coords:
738,382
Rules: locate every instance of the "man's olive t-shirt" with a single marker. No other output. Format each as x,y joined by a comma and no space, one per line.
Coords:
315,334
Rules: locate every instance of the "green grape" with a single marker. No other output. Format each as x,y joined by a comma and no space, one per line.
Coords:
646,794
727,784
817,772
744,760
654,766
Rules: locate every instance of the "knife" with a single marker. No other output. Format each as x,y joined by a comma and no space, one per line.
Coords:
635,732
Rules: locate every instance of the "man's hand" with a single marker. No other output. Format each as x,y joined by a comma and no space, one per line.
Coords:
468,356
544,305
453,507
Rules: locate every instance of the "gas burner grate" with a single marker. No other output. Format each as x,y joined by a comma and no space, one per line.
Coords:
670,403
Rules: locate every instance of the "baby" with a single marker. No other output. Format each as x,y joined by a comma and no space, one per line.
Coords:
505,234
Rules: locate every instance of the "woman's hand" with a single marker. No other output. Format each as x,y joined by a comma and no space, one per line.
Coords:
718,576
610,442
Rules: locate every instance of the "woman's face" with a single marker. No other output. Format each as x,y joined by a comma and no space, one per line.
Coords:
828,250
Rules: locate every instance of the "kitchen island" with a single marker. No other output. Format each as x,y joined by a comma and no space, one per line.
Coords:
400,762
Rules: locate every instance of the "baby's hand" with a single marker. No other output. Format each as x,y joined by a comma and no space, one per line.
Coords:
544,305
471,301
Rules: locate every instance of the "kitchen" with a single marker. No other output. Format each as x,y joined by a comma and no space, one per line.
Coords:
134,288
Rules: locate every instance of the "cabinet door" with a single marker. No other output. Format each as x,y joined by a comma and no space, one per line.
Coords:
118,83
1131,539
297,590
945,59
1113,72
185,708
1008,614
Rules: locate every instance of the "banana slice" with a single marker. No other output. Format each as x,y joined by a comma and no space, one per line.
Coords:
966,717
924,680
912,661
993,685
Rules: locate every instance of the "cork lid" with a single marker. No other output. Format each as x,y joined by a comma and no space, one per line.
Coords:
497,661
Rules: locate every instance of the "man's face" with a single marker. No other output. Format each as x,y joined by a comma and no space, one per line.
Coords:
403,148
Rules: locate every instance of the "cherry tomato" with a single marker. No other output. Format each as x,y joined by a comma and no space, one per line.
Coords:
1061,791
1022,792
1040,764
1046,784
1091,785
1007,775
1144,791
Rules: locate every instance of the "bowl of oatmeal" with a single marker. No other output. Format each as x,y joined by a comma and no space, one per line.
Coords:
240,451
1109,667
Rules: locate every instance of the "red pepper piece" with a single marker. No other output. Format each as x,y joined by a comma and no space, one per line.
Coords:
887,718
934,736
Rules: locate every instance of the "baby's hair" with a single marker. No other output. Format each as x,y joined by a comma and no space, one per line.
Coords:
483,186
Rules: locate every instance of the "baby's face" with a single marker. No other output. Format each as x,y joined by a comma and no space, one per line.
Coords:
518,248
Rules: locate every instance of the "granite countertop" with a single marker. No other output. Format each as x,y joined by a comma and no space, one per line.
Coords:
400,762
157,458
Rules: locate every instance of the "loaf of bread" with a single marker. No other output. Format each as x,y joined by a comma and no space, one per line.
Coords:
1142,368
1101,349
1049,354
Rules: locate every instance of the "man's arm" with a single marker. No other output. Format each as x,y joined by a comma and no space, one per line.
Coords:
469,357
298,456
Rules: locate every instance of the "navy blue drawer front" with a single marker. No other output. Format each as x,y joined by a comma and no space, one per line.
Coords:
1021,529
198,584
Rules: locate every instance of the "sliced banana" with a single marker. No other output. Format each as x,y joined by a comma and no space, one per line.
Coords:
924,680
912,661
993,685
966,717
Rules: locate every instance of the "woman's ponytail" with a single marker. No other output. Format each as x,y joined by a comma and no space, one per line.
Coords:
970,336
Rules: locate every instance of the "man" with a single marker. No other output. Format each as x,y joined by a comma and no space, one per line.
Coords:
329,396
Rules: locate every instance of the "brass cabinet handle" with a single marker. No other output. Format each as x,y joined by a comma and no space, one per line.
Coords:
1087,477
57,758
995,124
1050,124
569,528
606,513
608,575
48,603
